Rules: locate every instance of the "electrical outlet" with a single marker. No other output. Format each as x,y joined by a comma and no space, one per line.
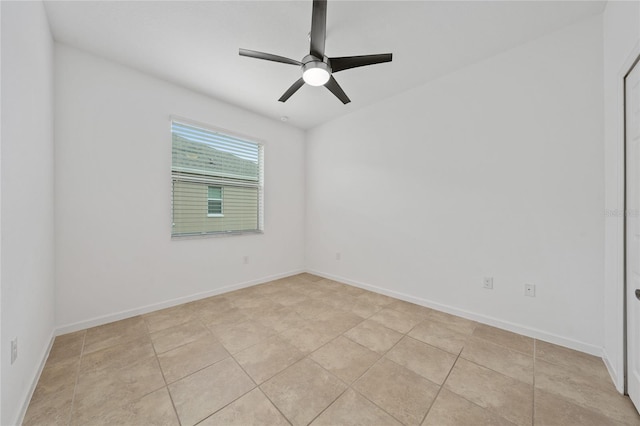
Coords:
14,350
338,256
487,282
245,260
530,290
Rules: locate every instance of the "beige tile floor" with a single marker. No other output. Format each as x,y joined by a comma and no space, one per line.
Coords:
305,350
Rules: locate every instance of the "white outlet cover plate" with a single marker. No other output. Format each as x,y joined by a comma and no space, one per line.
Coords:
487,283
14,350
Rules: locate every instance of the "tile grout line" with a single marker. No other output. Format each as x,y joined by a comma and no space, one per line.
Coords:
114,346
209,332
481,366
242,368
348,386
583,405
368,399
487,409
257,387
188,342
493,371
442,385
198,370
517,351
337,397
375,363
251,346
164,379
489,368
75,385
226,405
330,404
332,340
267,396
274,405
376,405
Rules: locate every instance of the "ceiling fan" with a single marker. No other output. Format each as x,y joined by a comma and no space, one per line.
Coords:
317,68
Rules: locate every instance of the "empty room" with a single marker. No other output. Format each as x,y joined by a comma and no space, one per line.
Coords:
320,212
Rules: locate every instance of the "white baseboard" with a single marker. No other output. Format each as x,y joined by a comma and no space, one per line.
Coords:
484,319
34,381
105,319
618,380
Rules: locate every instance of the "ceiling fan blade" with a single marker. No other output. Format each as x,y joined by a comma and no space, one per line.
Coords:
291,90
335,88
268,57
348,62
318,28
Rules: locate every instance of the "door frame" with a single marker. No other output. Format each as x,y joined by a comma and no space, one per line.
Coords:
625,301
615,265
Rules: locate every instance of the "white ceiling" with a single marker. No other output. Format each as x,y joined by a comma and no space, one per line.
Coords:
195,43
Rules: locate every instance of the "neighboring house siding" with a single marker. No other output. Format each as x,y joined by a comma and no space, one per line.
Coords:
202,159
239,205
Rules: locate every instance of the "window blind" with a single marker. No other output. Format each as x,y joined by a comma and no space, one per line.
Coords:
216,182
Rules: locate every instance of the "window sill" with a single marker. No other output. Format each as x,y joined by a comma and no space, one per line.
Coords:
215,235
215,215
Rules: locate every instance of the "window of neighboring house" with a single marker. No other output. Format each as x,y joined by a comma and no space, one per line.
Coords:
214,201
216,182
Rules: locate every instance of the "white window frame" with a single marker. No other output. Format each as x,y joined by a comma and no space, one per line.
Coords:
260,186
221,199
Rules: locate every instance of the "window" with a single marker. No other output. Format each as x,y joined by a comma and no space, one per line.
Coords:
214,201
216,182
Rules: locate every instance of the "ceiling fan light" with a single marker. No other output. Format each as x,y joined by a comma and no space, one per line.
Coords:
316,73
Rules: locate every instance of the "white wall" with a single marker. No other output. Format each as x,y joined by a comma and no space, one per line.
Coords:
27,187
115,256
1,339
621,28
494,170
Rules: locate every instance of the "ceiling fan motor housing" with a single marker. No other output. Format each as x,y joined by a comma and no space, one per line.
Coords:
314,71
